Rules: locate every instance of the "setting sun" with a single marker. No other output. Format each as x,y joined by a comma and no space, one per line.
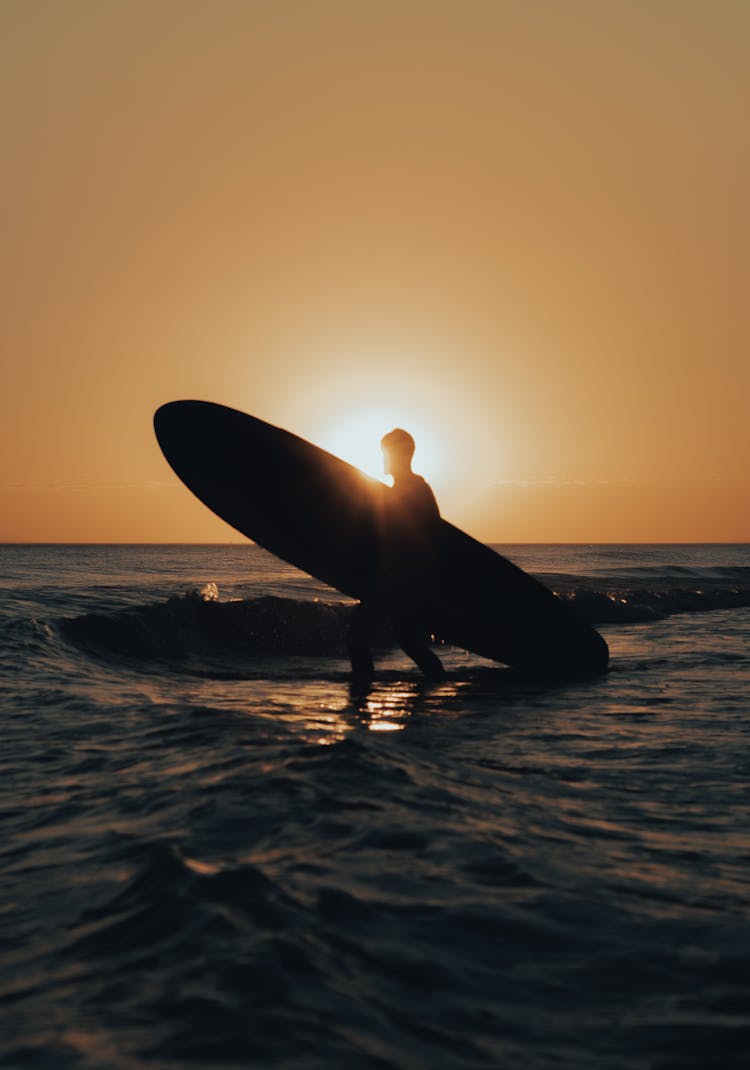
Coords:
356,439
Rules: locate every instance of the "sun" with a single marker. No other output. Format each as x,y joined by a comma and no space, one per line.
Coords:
356,439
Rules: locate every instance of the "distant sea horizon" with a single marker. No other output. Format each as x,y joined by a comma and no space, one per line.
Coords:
489,542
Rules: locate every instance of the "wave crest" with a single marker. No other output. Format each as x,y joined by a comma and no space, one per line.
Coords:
199,624
190,624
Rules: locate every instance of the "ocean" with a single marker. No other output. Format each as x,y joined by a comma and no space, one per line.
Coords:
216,853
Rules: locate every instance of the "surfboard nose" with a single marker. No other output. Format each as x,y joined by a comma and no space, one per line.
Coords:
173,416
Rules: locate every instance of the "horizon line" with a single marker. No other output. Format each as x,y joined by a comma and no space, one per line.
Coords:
490,542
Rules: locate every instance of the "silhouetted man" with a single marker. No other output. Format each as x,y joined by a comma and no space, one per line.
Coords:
407,550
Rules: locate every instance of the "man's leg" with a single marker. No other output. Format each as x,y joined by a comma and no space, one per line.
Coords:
413,641
364,621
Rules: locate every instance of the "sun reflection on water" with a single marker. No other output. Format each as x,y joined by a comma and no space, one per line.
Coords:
382,706
390,708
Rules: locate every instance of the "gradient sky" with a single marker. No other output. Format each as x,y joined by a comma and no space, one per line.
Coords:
519,228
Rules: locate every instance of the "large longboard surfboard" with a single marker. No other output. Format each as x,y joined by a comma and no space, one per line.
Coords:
322,515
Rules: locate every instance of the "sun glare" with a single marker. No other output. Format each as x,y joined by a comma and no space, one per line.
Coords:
356,439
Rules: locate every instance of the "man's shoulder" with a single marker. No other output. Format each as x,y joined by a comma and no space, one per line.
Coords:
421,489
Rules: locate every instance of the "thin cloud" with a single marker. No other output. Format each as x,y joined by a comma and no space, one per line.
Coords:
562,481
63,485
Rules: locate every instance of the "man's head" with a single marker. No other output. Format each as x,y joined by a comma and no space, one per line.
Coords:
398,450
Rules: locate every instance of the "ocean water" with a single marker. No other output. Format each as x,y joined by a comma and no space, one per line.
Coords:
215,853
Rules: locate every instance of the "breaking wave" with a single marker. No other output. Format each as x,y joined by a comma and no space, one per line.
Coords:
199,623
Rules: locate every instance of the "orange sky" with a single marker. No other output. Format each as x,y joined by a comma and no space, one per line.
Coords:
522,226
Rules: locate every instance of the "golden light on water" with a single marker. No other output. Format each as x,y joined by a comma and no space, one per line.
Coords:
385,726
385,707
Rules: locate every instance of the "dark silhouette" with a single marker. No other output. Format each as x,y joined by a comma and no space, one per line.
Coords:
323,516
409,525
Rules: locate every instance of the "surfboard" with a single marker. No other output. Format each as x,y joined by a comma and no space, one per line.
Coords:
320,513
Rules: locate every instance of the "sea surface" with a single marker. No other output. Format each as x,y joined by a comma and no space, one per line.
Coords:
215,853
